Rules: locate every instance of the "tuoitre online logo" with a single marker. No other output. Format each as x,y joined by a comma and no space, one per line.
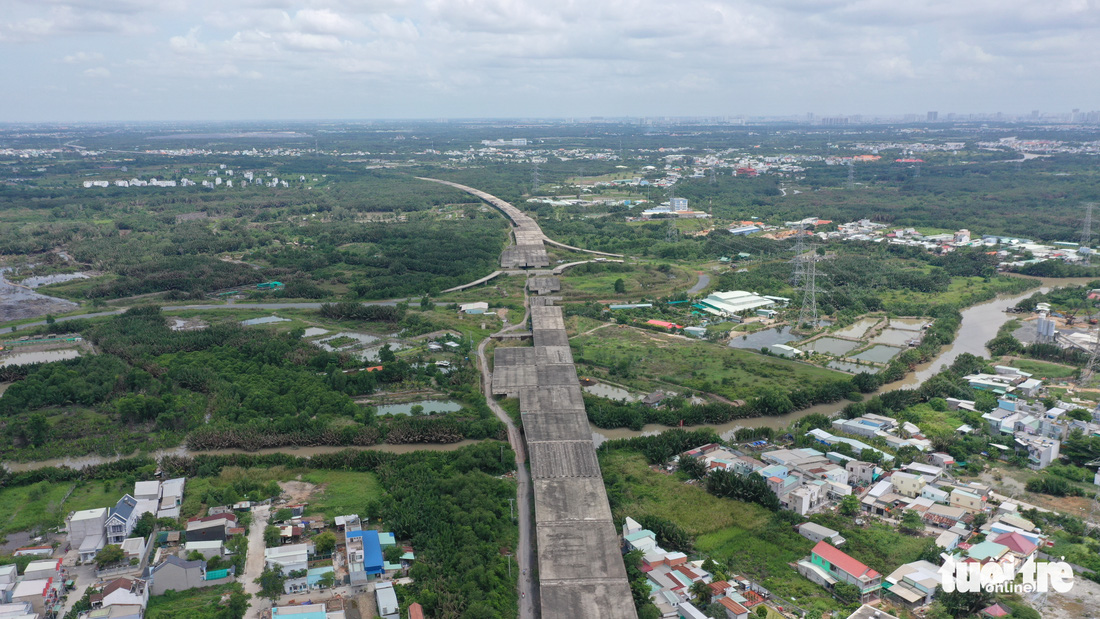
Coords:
1035,576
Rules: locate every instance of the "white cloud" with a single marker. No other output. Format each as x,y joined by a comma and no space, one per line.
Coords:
97,72
83,58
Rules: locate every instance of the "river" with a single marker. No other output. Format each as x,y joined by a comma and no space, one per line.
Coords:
979,325
303,452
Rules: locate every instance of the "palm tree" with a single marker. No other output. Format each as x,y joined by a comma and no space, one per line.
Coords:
701,592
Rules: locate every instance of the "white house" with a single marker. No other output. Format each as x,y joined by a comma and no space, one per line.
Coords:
87,532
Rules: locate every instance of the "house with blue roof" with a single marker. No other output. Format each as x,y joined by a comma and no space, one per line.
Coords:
121,520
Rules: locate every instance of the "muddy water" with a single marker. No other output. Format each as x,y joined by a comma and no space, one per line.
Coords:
42,356
302,452
858,328
829,346
979,325
610,392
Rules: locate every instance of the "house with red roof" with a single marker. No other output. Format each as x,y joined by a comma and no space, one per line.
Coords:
1017,544
827,566
733,609
994,611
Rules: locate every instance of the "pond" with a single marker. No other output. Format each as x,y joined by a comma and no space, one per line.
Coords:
611,393
909,324
360,338
45,280
895,337
878,353
430,407
859,328
44,356
263,321
762,338
844,366
371,354
829,346
314,331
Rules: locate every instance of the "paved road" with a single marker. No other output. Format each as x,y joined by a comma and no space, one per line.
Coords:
254,563
525,555
704,281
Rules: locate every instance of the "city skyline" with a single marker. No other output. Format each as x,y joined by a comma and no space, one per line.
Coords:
197,60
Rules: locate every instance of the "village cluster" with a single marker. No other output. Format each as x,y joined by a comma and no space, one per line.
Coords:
968,520
106,554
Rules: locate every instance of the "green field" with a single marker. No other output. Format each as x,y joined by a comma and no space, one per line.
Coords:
204,603
641,281
645,360
342,492
44,505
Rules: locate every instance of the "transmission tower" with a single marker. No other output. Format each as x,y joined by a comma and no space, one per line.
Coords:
799,251
916,172
672,233
851,174
1086,234
808,313
535,176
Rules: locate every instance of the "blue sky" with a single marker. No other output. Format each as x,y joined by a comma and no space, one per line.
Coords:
87,60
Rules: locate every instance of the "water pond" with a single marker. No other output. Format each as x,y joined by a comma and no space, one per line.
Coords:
44,356
878,354
610,392
430,407
263,321
762,338
858,328
829,346
894,337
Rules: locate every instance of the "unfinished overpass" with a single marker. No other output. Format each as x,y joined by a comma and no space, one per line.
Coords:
530,249
581,572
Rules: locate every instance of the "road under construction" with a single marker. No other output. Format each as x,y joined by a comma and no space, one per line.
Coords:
580,565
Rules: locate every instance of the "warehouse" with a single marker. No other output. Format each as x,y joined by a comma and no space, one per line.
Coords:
733,303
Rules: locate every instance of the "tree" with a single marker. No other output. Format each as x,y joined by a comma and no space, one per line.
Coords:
325,543
50,319
392,554
385,355
327,580
849,505
762,612
694,467
272,536
701,592
911,521
282,515
271,582
110,554
620,286
144,526
846,593
426,304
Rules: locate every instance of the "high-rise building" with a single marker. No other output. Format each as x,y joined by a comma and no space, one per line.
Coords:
933,116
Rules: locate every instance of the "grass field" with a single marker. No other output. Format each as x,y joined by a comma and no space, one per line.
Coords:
203,603
45,505
341,492
641,281
651,358
959,288
1043,369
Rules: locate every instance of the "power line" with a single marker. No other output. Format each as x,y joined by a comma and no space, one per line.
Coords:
808,313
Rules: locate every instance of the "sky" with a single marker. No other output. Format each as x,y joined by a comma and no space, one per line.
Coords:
138,60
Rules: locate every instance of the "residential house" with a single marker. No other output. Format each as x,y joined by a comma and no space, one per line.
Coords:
147,490
870,612
948,541
733,609
20,610
861,473
40,594
967,500
301,611
122,591
945,516
816,533
990,551
290,558
87,532
386,598
133,547
935,494
47,568
211,528
687,610
171,497
1041,452
1018,545
416,611
827,566
122,518
176,574
914,584
907,484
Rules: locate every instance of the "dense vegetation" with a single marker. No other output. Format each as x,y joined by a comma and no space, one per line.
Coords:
226,386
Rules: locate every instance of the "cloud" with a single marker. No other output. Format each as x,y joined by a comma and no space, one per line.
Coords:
83,58
97,72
